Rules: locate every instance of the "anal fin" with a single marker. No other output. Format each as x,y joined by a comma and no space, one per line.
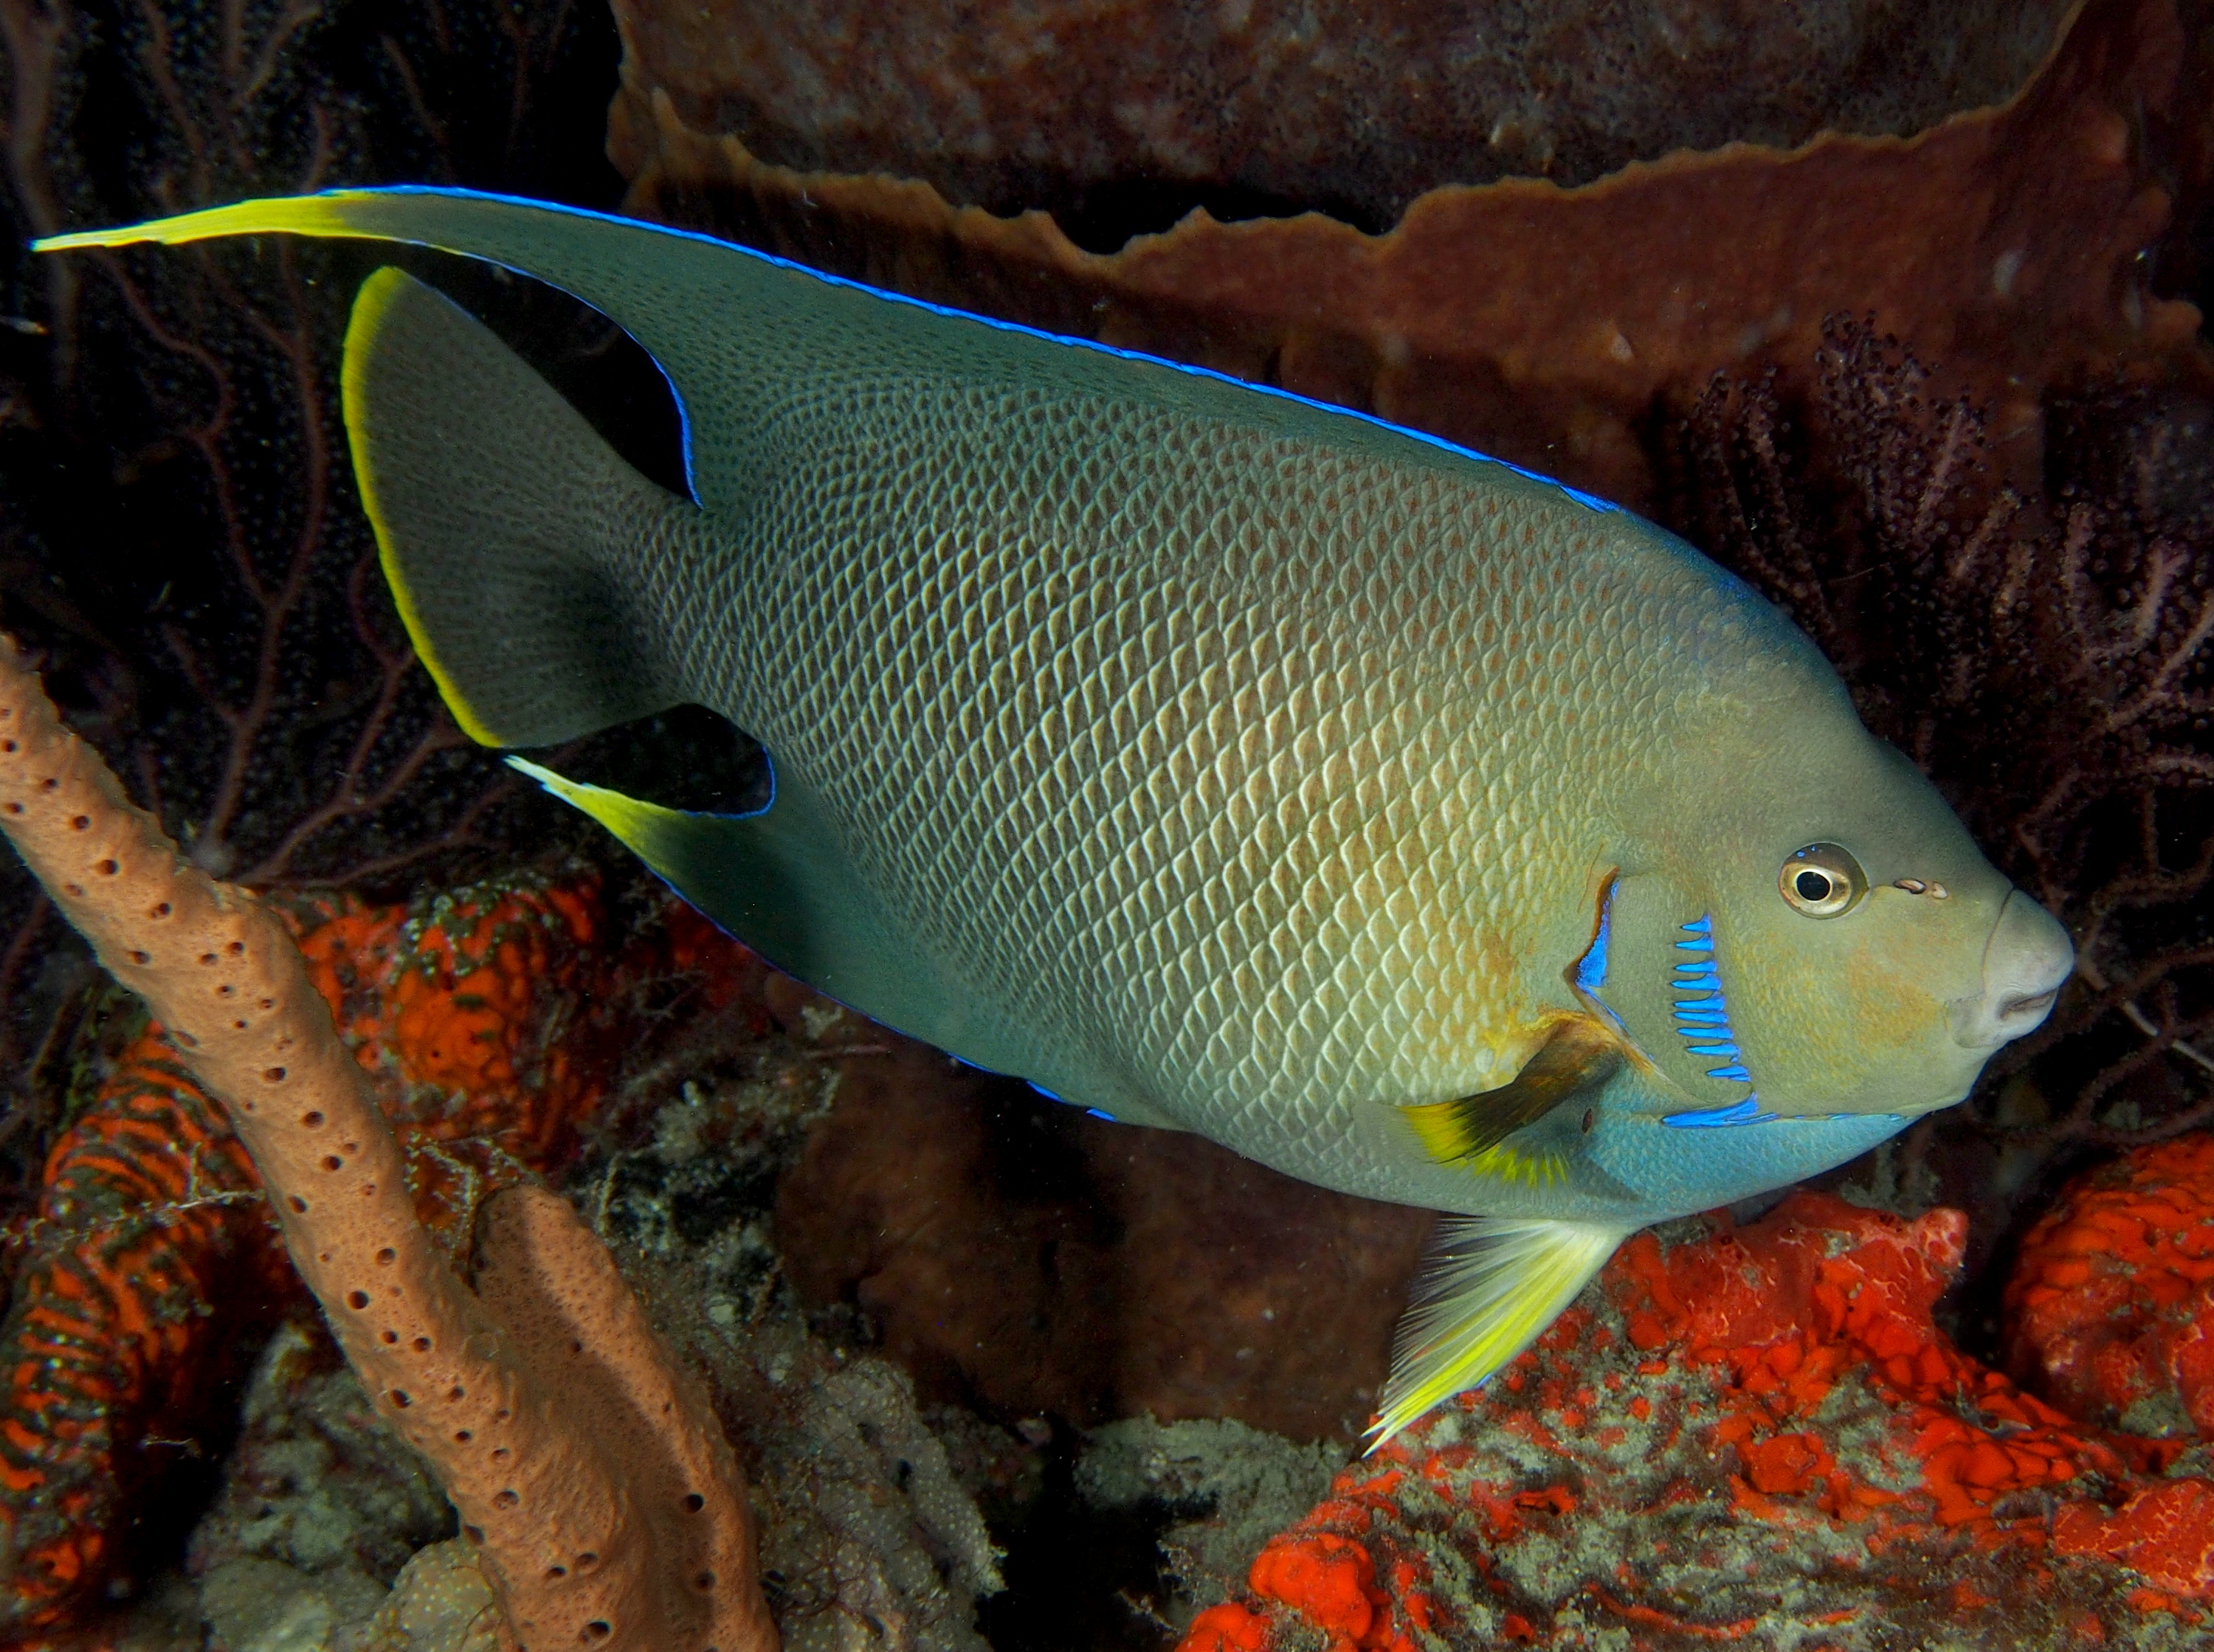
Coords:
781,881
1488,1288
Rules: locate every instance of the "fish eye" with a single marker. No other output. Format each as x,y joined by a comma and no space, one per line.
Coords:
1822,880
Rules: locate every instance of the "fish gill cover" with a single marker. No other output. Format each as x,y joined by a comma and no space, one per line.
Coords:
1977,468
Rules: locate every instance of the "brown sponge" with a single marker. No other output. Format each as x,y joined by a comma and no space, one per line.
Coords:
591,1475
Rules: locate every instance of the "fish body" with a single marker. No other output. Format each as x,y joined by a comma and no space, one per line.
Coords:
1209,758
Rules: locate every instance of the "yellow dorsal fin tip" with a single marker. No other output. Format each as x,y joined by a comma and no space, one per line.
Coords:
301,214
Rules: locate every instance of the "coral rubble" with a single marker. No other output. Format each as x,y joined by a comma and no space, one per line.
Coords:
1755,1433
323,1505
1541,324
1225,1489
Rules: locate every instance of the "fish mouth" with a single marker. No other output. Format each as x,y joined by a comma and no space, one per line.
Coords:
2026,959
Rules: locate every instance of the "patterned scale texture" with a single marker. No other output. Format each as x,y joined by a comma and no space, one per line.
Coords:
1258,765
1259,777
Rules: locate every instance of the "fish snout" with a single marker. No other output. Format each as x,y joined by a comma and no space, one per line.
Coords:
2026,960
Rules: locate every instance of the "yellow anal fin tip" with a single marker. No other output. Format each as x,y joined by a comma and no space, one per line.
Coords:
637,823
293,214
1490,1288
666,839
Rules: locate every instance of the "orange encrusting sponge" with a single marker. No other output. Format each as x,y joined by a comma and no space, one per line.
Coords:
1763,1428
588,1470
2110,1304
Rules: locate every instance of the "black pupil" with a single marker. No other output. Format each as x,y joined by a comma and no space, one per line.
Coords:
1812,886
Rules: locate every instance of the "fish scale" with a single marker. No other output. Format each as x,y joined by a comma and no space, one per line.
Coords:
1203,755
1373,989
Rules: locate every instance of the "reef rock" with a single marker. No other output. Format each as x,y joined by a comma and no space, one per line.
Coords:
1012,1251
318,1482
1756,1434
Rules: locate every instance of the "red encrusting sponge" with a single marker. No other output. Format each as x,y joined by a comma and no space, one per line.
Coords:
1756,1429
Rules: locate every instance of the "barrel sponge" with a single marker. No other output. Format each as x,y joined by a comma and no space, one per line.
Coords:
556,1504
1326,103
1539,324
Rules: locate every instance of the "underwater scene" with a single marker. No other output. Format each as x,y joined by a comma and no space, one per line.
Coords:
1106,826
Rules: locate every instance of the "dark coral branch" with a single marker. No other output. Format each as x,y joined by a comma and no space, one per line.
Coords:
276,729
277,605
36,37
228,643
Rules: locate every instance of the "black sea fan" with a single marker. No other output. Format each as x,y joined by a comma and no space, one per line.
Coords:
179,537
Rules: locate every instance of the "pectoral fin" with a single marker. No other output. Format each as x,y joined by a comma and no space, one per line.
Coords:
1571,1068
1488,1289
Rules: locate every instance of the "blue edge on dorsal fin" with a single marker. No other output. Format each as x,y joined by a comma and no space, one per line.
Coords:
1590,501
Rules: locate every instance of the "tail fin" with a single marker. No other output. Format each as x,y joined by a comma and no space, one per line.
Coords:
511,533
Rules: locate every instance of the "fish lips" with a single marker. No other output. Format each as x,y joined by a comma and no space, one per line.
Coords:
2026,959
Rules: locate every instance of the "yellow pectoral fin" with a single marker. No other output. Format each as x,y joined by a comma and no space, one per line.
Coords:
1578,1057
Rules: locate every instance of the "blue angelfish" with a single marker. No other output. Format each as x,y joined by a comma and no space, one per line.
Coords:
1208,757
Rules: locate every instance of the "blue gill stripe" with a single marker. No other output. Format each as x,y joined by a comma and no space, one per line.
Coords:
1702,1019
1746,1112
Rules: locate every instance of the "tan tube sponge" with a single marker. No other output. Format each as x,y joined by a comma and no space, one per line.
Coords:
587,1467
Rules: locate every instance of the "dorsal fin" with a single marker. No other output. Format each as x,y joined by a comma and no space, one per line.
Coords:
1570,1069
742,334
701,308
514,540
